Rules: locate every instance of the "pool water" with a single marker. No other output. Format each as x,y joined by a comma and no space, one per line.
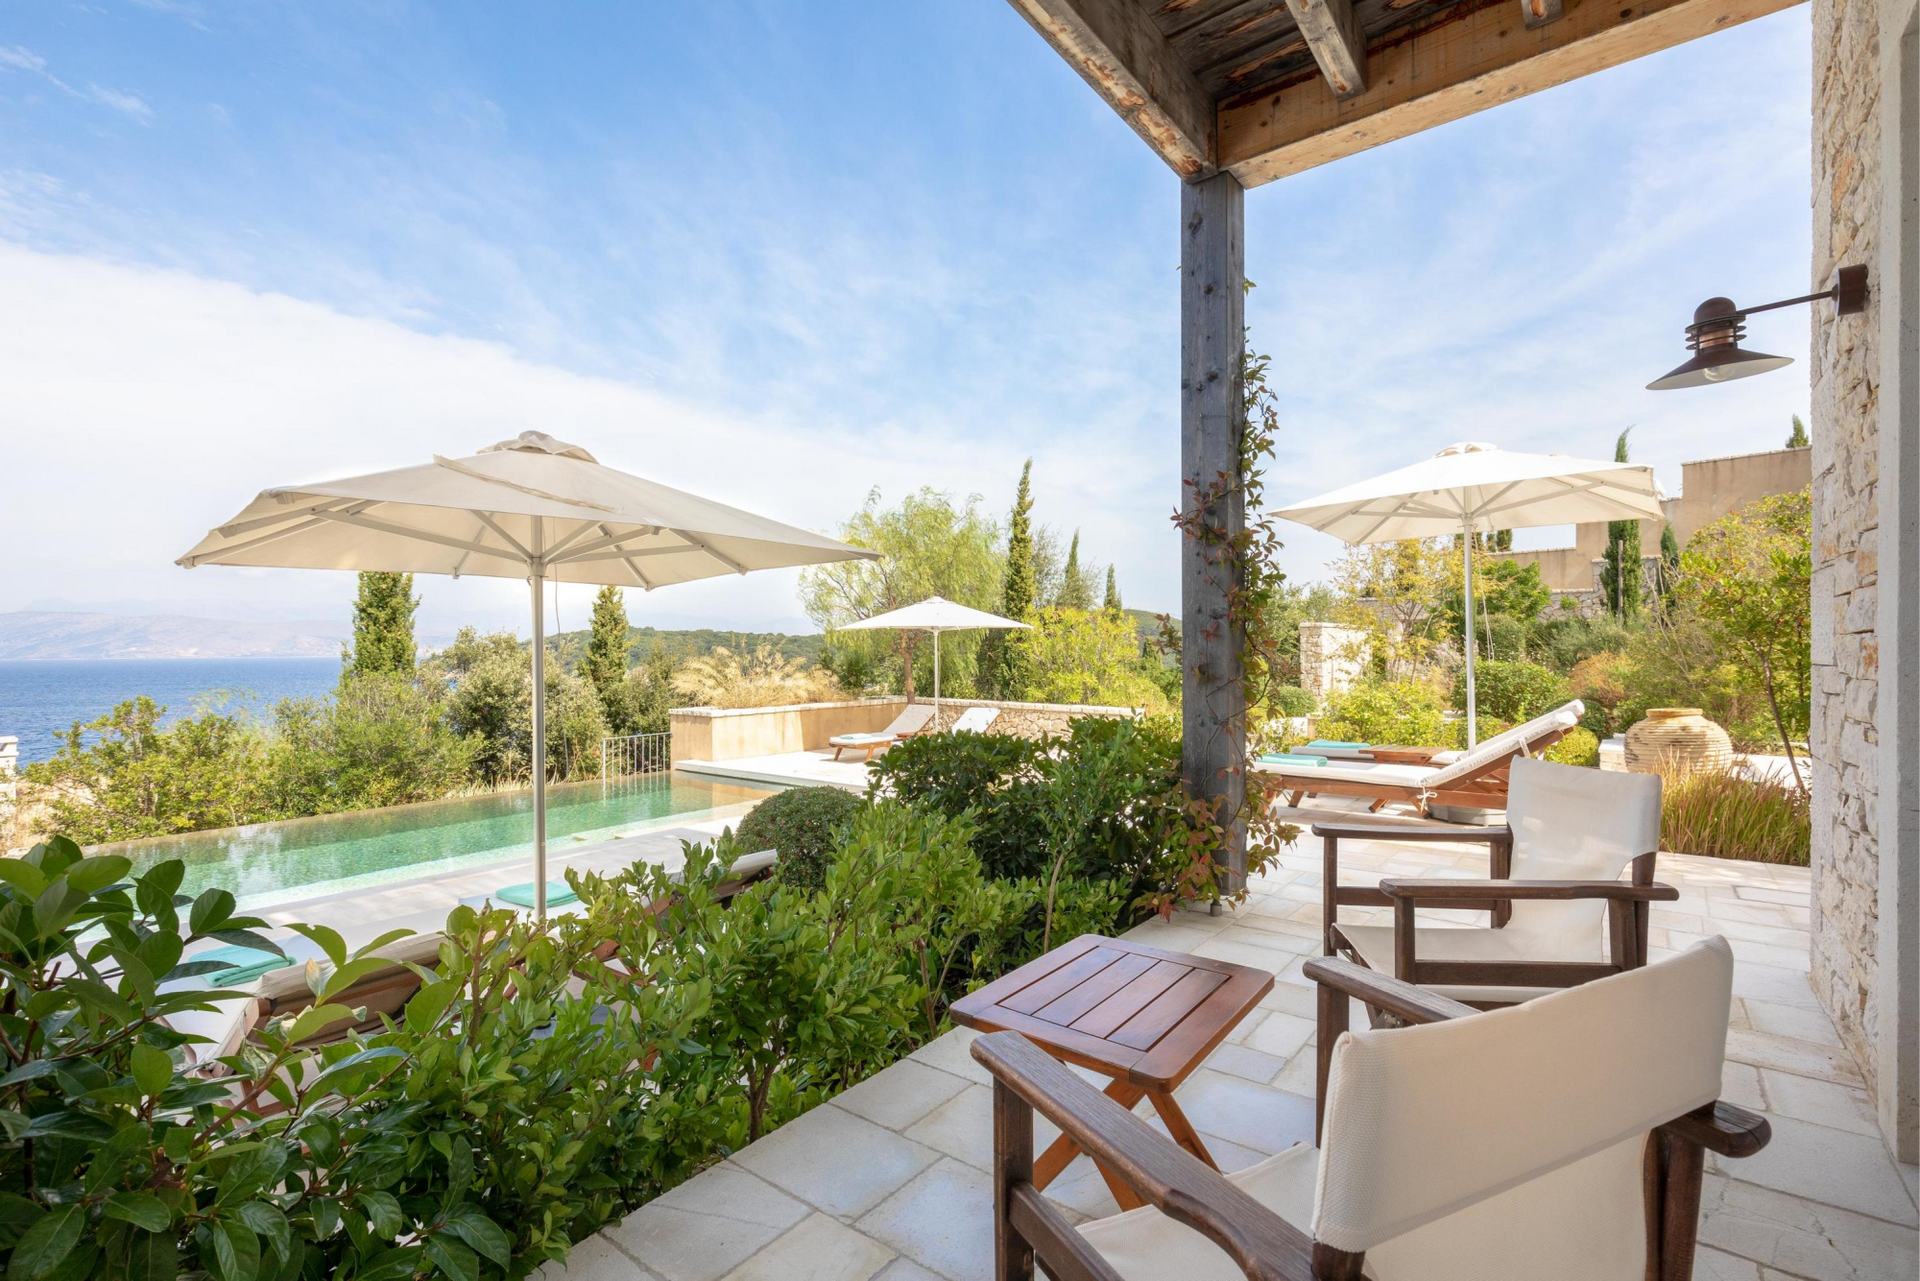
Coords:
300,858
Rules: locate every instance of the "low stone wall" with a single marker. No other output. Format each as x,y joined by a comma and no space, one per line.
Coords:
732,733
1332,658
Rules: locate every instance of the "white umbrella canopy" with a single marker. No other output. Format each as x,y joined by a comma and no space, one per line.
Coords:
533,508
1471,488
935,614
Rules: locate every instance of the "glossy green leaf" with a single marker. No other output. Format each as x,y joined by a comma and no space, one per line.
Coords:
47,1242
480,1232
210,911
270,1223
453,1258
236,1251
23,876
152,1256
429,1003
152,1069
142,1209
326,939
91,875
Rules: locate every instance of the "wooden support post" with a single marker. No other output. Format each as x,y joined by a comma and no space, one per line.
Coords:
1212,419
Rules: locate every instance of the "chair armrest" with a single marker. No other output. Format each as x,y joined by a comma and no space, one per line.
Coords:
1414,1004
1722,1128
1442,891
1260,1242
1389,832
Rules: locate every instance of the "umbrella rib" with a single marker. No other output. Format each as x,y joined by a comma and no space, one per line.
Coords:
406,531
626,558
486,518
554,551
583,551
1488,506
261,522
708,548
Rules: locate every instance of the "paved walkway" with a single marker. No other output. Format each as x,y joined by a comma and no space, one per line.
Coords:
888,1181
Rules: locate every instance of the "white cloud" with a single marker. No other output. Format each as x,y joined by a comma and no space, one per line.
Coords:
125,103
21,59
144,406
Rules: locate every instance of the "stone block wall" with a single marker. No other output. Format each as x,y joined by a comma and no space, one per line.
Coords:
1846,519
1028,720
1332,658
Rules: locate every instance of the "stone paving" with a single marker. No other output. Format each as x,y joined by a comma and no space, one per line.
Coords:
888,1181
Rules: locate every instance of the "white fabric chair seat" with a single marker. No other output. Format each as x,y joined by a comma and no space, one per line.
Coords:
859,740
1444,943
1352,772
1145,1245
1517,1235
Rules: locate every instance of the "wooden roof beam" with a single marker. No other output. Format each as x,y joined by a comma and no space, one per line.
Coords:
1118,50
1454,69
1333,36
1538,13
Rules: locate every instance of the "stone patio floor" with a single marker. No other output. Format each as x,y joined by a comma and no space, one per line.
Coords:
888,1181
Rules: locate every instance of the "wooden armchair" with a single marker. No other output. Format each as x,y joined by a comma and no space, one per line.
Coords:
1562,1139
1560,914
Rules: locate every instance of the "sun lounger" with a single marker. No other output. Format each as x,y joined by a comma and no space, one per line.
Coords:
913,719
975,720
1476,778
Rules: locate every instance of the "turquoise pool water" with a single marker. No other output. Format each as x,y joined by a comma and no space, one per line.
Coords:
272,862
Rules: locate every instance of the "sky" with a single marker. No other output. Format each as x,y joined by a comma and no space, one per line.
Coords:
782,254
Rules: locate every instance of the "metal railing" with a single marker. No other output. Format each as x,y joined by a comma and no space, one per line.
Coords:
635,754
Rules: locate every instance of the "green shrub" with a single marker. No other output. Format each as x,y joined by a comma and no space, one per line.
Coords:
996,778
1734,814
1513,691
1290,700
802,824
1079,907
496,1121
1382,711
1578,747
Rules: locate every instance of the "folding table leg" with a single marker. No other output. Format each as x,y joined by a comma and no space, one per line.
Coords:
1060,1153
1179,1127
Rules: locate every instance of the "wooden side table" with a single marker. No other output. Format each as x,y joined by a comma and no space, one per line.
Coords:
1142,1016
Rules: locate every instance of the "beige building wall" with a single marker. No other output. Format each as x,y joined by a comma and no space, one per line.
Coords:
1865,642
1709,489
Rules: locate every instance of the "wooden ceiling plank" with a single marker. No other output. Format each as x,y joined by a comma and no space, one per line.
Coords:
1331,32
1118,50
1454,69
1538,13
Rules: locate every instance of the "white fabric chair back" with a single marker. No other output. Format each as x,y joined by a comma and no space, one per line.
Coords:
1571,823
975,720
1526,735
1511,1143
912,719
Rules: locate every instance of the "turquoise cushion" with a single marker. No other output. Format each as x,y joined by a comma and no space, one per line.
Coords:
1291,758
1329,745
860,738
248,963
558,892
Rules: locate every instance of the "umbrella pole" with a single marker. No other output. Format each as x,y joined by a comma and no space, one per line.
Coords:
936,678
1466,556
538,580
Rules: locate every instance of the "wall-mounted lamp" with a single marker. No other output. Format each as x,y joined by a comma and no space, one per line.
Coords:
1715,334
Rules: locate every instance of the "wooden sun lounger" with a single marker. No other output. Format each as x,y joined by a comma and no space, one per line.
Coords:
1395,774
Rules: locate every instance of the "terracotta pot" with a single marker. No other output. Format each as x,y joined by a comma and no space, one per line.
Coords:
1677,738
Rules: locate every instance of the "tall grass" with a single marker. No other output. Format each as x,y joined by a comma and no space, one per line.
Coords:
1735,813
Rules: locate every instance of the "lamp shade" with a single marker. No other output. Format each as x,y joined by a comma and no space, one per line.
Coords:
1714,338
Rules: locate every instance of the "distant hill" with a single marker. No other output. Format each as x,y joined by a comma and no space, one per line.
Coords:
690,642
35,634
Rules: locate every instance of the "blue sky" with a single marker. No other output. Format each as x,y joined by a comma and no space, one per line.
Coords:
783,253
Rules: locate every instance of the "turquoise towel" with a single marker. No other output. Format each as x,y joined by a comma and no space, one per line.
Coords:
558,892
860,738
1329,745
1291,758
249,963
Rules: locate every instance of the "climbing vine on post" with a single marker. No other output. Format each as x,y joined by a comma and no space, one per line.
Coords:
1247,562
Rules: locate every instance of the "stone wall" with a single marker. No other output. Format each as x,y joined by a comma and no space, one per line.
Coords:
1846,519
1332,658
1028,720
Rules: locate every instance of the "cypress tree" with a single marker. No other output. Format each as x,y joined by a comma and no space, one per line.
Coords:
383,624
1003,660
604,663
1075,591
1798,440
1669,565
1620,570
1112,604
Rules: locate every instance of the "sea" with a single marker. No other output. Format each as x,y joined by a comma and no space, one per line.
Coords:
40,699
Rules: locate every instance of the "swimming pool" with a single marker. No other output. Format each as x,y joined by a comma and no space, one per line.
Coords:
272,862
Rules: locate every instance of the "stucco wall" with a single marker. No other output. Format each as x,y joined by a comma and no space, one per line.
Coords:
732,733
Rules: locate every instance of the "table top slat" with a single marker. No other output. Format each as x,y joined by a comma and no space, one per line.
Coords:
1144,1029
1060,981
1069,1006
1189,1042
1105,1018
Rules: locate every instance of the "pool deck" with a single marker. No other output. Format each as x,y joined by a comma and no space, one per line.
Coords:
888,1181
815,768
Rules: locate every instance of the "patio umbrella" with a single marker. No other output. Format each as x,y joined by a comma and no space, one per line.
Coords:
533,508
935,614
1472,489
